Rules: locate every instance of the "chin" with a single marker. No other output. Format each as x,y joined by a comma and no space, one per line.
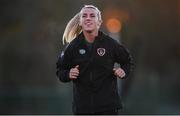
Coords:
89,30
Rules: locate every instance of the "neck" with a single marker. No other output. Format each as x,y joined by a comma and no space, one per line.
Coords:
90,36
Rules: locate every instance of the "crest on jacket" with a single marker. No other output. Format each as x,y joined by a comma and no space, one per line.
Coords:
82,51
101,51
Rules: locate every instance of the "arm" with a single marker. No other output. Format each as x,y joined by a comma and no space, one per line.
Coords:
62,68
123,57
65,72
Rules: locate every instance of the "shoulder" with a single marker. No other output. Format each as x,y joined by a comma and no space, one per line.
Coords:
68,48
115,45
110,40
76,41
72,45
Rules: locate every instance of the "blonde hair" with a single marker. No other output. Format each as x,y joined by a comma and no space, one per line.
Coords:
73,28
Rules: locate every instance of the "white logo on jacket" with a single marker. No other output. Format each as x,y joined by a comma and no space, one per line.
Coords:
101,51
82,51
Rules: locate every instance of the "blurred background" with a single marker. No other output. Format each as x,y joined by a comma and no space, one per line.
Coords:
31,40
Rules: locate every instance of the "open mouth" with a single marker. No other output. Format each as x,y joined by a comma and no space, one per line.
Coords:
88,23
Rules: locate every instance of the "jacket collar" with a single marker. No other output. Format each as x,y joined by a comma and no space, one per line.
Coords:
100,36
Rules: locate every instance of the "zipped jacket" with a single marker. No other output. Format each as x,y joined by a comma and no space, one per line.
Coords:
95,89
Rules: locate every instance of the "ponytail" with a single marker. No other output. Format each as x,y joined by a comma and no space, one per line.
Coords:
72,29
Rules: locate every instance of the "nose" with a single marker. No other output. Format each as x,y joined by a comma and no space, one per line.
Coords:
88,18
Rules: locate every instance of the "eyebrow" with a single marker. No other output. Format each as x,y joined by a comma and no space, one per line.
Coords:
90,13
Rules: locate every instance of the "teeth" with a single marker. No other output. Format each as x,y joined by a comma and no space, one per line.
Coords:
88,23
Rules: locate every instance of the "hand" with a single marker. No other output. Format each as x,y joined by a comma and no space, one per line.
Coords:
74,72
119,72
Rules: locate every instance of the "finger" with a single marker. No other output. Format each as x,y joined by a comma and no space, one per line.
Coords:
73,77
122,75
75,69
114,69
77,66
118,69
118,72
74,74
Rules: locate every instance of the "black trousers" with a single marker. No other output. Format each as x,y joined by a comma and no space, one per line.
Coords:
107,112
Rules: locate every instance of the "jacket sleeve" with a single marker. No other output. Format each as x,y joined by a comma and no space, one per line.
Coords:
124,58
63,67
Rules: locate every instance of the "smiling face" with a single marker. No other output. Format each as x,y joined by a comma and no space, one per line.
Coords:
89,20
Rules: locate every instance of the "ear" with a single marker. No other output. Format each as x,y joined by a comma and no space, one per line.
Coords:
99,23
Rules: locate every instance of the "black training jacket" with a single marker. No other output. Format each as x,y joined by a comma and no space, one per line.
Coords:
95,90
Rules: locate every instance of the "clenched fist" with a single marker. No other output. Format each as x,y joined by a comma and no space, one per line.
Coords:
74,72
119,72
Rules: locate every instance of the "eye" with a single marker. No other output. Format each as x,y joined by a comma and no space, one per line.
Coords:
84,15
92,15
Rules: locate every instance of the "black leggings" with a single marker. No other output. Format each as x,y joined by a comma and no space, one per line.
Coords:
107,112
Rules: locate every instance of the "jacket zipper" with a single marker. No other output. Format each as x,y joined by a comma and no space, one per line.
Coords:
92,96
91,78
